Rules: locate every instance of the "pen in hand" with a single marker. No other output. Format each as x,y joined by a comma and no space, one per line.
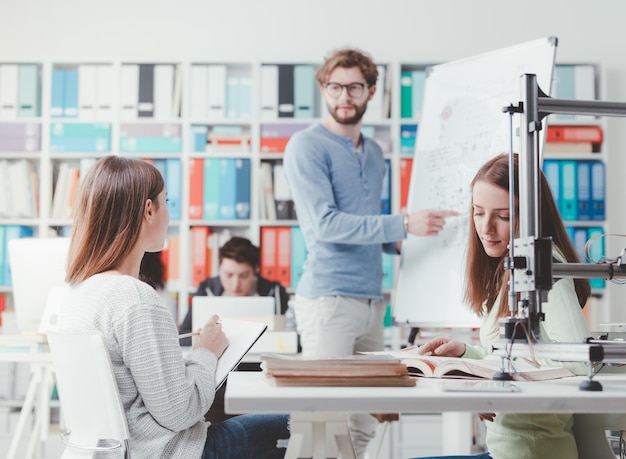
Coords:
195,333
189,335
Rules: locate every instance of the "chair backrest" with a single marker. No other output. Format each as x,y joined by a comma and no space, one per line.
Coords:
88,392
590,433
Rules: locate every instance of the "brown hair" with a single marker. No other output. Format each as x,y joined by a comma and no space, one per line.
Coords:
108,214
241,250
152,270
348,58
486,276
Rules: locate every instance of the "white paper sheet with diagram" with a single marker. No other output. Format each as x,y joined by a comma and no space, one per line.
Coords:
462,125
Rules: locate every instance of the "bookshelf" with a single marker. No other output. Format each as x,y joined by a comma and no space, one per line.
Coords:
576,162
223,119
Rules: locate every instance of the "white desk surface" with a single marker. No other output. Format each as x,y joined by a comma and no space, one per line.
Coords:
249,392
24,349
34,357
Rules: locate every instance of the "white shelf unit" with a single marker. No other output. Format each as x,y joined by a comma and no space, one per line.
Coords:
592,88
47,161
387,127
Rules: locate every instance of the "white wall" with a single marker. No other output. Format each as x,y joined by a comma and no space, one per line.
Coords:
283,30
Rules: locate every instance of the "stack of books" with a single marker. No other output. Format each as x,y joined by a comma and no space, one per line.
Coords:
573,139
353,370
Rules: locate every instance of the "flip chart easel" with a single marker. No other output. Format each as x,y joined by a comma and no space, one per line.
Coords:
462,126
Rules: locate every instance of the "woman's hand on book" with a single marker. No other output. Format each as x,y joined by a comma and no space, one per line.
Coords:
442,346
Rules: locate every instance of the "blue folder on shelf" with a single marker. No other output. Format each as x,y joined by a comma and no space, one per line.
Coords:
597,191
584,190
567,192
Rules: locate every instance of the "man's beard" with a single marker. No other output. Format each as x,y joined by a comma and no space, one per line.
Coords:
359,111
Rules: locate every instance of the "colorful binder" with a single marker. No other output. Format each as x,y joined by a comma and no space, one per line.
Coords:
584,190
567,191
211,188
598,191
298,255
196,184
242,189
268,252
173,186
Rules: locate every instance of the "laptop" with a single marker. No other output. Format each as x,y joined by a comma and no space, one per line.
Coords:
250,308
38,267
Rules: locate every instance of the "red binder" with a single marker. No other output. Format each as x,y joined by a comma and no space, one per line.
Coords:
196,186
173,259
269,252
199,238
283,256
406,166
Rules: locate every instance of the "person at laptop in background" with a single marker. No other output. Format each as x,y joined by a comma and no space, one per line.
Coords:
239,266
120,214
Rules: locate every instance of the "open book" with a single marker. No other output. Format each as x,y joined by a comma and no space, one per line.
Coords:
456,367
353,370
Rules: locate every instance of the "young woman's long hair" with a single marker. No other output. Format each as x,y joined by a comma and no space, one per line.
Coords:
486,276
108,214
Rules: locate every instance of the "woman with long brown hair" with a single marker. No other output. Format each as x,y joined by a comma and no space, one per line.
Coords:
120,214
515,436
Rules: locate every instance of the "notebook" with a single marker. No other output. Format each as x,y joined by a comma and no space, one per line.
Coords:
38,265
241,335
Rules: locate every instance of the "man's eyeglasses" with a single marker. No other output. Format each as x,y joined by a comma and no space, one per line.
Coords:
355,90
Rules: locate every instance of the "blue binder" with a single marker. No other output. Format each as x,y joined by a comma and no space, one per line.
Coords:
408,135
228,185
565,87
242,192
580,239
298,255
584,190
4,258
567,191
419,82
173,180
70,107
159,163
597,191
596,251
29,90
12,232
304,90
211,188
551,171
57,93
385,198
199,136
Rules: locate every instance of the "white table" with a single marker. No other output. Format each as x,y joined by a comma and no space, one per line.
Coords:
37,397
249,392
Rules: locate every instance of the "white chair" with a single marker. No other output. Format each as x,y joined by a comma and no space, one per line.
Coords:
89,395
590,434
